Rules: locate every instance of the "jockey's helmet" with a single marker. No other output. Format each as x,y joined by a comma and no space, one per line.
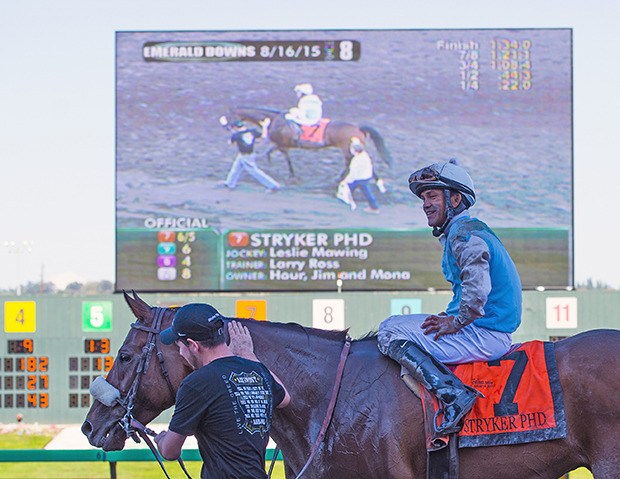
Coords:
238,124
447,175
304,89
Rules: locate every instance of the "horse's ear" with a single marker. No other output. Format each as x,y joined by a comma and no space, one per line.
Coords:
138,306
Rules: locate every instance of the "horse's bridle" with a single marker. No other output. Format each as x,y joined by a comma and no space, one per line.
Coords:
147,351
129,424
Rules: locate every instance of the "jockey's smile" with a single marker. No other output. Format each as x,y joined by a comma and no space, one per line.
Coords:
434,206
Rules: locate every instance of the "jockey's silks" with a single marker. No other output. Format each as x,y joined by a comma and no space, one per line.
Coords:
502,311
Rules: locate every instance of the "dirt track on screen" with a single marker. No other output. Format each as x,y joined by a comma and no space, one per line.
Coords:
172,152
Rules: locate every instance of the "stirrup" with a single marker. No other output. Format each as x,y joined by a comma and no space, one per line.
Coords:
456,423
455,428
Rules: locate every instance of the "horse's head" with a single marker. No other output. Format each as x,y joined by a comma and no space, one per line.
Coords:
136,386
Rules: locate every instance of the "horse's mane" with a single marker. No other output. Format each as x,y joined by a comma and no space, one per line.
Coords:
332,335
335,335
369,336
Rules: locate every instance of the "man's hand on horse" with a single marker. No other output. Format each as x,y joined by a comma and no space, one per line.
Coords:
440,324
241,343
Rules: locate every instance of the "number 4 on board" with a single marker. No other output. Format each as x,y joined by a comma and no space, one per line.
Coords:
20,317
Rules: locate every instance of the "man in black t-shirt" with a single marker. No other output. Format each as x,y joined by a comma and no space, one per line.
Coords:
226,402
245,161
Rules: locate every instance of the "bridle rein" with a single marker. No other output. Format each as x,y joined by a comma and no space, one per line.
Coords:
129,424
147,352
328,414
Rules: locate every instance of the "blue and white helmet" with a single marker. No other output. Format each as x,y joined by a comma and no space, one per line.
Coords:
447,175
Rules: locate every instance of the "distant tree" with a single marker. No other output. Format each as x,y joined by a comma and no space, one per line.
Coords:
97,287
74,288
592,284
105,287
39,288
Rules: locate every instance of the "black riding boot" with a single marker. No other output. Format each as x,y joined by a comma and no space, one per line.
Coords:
457,398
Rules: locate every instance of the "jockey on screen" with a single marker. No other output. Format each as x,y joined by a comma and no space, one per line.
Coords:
309,110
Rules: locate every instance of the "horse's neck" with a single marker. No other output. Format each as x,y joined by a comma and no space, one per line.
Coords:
303,362
258,115
280,121
307,367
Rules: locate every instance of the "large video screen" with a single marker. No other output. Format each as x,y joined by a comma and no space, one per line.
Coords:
233,155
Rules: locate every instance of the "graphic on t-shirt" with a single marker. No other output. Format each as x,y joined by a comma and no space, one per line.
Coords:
247,138
252,397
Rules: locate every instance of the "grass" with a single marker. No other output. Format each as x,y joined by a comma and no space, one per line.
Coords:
90,470
124,470
13,440
101,470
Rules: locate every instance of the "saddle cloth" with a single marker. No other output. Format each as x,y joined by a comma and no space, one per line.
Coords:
315,133
523,400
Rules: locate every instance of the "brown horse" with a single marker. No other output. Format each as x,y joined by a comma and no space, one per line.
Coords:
284,135
377,430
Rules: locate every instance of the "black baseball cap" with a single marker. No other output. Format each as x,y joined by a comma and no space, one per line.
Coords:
197,321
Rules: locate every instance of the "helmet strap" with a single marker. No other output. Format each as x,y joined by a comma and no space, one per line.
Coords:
450,213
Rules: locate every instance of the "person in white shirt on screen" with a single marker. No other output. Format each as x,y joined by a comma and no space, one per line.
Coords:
360,175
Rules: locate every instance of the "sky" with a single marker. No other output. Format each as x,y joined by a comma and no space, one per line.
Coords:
57,113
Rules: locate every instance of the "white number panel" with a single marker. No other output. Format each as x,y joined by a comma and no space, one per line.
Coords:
328,313
562,313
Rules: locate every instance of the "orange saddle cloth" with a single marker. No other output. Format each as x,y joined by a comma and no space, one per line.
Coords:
315,133
523,399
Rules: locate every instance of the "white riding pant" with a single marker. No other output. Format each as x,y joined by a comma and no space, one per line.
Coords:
470,344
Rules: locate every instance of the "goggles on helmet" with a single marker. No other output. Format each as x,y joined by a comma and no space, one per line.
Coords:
427,173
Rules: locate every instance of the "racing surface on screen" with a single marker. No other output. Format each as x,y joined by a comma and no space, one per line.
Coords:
193,216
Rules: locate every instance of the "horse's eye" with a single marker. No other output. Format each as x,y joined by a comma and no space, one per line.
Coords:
124,357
